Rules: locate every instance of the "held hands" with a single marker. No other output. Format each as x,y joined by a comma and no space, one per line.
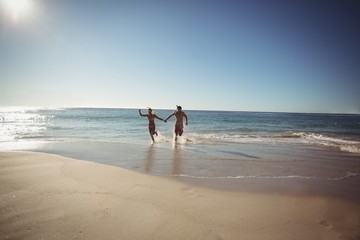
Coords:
165,121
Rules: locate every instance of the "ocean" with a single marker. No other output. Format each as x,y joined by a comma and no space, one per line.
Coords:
215,144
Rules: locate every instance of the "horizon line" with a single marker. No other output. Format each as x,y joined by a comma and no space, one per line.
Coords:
19,107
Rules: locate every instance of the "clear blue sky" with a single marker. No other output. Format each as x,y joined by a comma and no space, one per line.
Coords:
294,56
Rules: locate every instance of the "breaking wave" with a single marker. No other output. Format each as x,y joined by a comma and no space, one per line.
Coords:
334,141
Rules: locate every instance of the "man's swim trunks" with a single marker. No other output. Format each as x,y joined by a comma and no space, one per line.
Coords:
179,129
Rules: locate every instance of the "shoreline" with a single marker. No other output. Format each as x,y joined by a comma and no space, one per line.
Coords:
342,189
340,178
49,196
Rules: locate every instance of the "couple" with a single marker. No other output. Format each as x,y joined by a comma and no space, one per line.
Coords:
179,127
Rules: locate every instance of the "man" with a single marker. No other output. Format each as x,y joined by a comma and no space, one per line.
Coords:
151,117
179,126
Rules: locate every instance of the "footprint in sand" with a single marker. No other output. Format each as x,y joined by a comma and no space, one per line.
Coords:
137,187
328,225
191,192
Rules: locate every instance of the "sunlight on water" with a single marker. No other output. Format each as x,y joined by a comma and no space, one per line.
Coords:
19,124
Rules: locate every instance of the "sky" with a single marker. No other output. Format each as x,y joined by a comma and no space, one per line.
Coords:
275,56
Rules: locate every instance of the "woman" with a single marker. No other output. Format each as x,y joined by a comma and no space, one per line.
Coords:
151,117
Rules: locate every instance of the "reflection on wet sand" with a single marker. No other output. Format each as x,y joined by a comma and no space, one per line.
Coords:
176,160
149,159
153,157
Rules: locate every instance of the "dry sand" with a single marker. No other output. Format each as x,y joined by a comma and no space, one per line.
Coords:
50,197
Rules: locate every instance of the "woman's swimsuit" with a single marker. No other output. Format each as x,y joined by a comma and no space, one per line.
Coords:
152,124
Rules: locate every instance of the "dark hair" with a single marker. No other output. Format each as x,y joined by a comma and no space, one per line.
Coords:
178,107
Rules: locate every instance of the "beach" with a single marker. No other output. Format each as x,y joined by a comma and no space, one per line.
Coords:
46,196
143,120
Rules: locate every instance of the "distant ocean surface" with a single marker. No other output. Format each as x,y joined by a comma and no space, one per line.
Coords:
216,144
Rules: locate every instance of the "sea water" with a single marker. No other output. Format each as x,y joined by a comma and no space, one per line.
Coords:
215,144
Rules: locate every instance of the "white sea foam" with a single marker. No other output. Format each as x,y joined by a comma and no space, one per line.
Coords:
21,145
330,141
289,137
348,174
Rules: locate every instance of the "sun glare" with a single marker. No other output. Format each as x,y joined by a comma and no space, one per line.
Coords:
17,7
